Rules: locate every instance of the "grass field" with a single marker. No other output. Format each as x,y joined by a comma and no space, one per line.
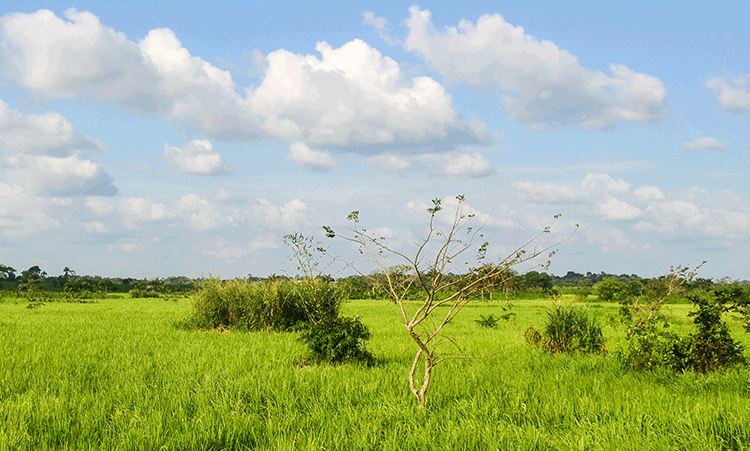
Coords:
119,375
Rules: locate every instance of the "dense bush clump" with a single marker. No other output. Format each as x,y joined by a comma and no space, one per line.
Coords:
338,340
568,329
268,305
309,305
651,345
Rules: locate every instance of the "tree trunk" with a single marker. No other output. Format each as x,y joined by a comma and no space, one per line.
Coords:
421,390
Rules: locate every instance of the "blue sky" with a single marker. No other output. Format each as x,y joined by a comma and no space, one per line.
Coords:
189,140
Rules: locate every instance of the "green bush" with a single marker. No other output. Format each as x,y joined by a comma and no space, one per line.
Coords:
338,340
568,329
711,348
610,289
278,304
488,321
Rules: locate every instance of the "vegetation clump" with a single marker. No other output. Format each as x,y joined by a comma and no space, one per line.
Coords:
568,330
652,345
489,321
278,305
338,340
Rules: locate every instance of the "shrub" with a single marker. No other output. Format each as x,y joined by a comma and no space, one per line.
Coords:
489,321
568,329
711,348
610,289
338,340
268,305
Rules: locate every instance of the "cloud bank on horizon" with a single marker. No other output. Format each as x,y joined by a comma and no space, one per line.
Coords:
231,160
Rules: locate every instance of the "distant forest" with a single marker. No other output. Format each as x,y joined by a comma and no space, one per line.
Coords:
529,284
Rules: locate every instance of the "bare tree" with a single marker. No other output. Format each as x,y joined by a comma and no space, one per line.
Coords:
430,270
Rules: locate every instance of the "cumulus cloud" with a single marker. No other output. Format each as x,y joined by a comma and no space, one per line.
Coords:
129,210
200,215
545,193
390,162
542,84
458,164
45,154
703,216
452,164
43,134
617,210
290,214
354,96
22,214
701,143
95,227
611,240
231,252
649,192
195,157
350,98
604,183
310,159
732,93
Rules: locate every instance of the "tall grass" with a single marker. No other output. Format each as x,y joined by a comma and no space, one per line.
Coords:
119,375
268,305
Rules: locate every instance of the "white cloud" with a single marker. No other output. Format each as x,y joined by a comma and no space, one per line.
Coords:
290,214
701,143
543,84
95,227
100,206
649,192
22,214
617,210
351,98
200,215
544,193
380,24
354,96
45,134
604,183
130,210
310,159
733,93
611,240
196,157
67,176
263,242
457,164
390,162
192,202
704,215
140,209
231,252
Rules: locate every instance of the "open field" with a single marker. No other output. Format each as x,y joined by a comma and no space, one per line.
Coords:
118,374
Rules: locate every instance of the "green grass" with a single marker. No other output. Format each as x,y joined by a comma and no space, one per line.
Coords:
119,375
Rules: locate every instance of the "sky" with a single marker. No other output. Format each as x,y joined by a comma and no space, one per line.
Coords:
171,138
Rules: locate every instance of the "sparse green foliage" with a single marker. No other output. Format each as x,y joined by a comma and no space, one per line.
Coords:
439,254
306,254
569,330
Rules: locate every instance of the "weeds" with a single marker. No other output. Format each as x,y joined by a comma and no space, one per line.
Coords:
568,330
